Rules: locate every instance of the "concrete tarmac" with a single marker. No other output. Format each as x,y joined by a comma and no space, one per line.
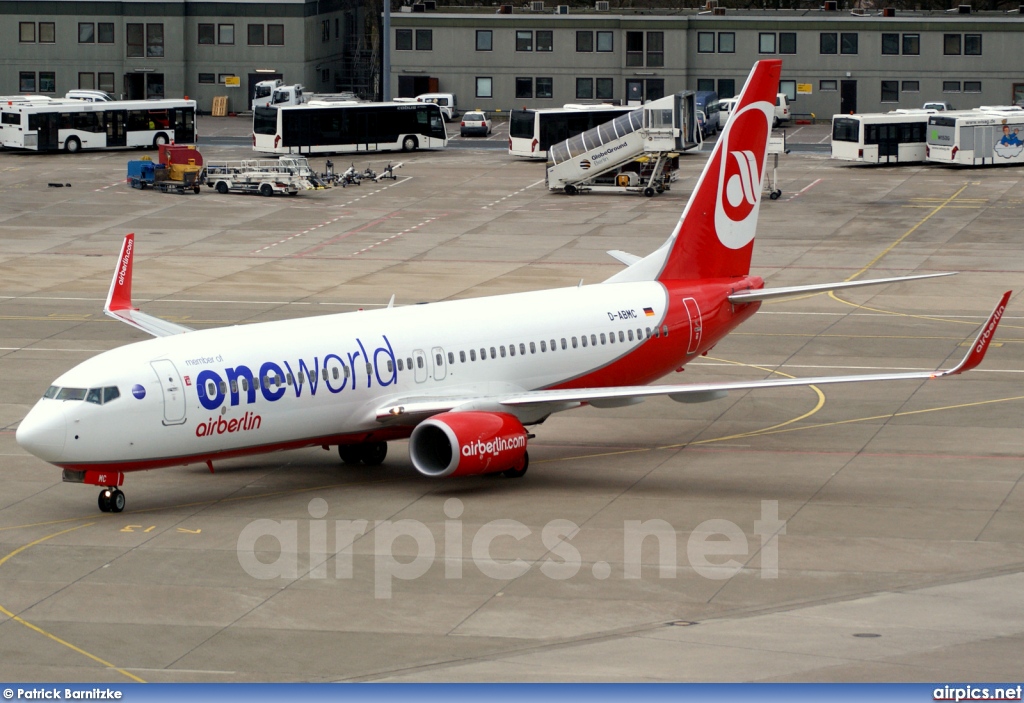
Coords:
864,532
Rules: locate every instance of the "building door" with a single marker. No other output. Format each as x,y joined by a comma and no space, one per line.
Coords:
174,395
655,89
634,92
848,97
135,86
411,86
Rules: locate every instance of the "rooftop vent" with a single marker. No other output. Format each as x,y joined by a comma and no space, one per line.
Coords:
537,6
963,9
603,6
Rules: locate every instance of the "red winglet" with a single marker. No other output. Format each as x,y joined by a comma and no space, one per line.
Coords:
982,341
120,295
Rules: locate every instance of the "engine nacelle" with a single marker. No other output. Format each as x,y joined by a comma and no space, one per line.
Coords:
467,444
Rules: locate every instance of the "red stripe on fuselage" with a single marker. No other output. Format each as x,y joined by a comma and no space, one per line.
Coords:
658,356
381,435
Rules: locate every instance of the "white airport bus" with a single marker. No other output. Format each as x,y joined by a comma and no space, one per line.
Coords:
881,138
73,125
332,128
988,136
531,132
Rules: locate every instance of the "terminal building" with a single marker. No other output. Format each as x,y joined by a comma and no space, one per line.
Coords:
530,55
833,61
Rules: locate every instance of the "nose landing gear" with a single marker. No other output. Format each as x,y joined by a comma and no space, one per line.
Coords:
111,500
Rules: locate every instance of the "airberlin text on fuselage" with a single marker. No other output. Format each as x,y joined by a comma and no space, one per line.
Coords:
336,371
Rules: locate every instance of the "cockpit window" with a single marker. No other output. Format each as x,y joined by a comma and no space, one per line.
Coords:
110,393
89,395
51,392
72,394
95,395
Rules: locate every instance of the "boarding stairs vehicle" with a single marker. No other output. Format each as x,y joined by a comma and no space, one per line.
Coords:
286,175
635,152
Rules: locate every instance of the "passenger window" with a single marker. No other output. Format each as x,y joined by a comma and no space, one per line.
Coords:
438,359
648,333
291,380
451,357
483,354
400,365
224,387
493,355
302,377
51,392
462,357
211,389
602,338
95,395
522,348
266,379
622,336
234,387
334,372
511,349
502,351
563,343
584,340
664,331
574,343
245,385
391,366
111,393
593,340
419,362
543,347
369,369
472,354
326,374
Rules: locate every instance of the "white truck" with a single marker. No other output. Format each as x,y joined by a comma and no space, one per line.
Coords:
264,92
287,175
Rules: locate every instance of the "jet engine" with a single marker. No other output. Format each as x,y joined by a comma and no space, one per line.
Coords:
468,444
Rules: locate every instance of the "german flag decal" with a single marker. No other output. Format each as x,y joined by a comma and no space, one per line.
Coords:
649,312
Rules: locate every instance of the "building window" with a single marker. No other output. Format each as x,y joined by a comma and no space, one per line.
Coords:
47,35
484,87
911,87
403,40
524,87
27,79
890,91
584,88
584,41
155,41
848,43
524,40
86,33
912,44
545,40
325,75
225,34
726,88
827,85
337,29
972,45
27,35
87,81
424,40
325,31
106,82
207,78
606,41
950,86
828,43
135,40
766,43
972,86
951,44
656,49
890,44
787,42
727,42
47,80
634,48
256,35
705,84
789,88
705,42
484,40
207,34
605,88
275,35
545,87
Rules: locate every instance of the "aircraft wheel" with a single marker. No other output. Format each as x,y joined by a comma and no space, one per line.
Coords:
518,473
350,454
373,454
105,500
116,501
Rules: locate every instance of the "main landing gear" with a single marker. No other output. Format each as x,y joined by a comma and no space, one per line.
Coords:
370,453
111,500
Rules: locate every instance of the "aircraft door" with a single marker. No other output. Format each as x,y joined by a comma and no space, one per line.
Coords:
696,331
419,360
174,394
440,367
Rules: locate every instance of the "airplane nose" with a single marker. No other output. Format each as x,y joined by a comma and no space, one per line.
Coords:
43,431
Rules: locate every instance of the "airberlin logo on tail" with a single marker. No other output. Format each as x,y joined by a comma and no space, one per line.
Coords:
125,260
741,168
495,446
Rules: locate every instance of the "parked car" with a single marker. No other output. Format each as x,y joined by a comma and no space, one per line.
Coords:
475,123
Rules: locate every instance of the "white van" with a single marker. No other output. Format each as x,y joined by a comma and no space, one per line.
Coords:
447,102
89,96
781,109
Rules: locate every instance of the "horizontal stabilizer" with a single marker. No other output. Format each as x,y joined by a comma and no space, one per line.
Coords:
750,296
119,298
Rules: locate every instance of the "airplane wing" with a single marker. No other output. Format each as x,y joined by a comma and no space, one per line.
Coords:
119,298
694,392
749,296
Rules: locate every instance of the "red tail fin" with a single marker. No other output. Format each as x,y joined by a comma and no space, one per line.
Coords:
120,295
715,235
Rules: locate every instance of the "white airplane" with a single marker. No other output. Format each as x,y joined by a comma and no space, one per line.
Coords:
460,379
